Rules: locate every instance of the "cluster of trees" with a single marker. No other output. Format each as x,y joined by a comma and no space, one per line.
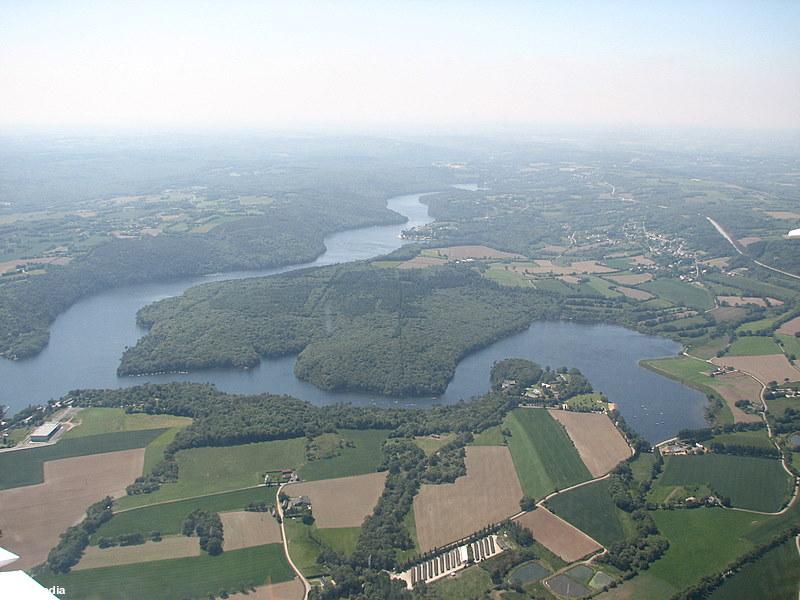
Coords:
128,539
447,463
257,506
745,450
74,540
524,373
788,422
207,525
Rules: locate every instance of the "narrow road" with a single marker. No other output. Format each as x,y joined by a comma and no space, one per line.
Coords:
723,232
279,508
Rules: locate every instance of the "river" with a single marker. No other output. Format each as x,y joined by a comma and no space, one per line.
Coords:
87,341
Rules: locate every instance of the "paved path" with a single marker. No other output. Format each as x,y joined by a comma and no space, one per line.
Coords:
279,508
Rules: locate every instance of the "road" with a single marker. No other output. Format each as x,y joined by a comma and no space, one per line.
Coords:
279,508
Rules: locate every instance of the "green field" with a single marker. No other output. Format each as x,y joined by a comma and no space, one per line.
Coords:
756,326
341,539
543,454
591,509
193,577
94,421
154,452
489,437
303,548
364,457
756,439
168,517
753,345
24,467
642,466
591,401
791,345
205,471
498,274
753,483
473,582
776,575
680,293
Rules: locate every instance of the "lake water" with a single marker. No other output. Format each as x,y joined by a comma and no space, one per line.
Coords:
87,341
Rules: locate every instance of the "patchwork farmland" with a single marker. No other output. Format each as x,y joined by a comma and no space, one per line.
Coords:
342,502
598,442
558,536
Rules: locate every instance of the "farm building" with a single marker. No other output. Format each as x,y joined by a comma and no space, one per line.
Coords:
44,432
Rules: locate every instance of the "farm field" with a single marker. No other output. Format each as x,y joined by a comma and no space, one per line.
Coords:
791,345
791,327
557,535
94,421
469,583
244,529
733,387
168,517
32,517
753,483
503,276
207,470
488,493
753,345
776,575
175,546
489,437
635,293
195,576
24,467
758,325
679,293
745,300
303,548
288,590
342,502
756,439
591,509
598,442
702,541
544,456
774,367
341,539
364,457
475,252
154,451
631,279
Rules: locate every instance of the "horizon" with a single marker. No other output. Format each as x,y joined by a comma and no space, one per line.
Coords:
384,69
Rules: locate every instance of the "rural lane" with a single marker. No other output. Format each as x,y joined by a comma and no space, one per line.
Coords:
279,508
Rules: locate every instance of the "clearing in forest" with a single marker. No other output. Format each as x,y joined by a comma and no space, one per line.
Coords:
342,502
770,367
557,535
488,493
33,517
599,443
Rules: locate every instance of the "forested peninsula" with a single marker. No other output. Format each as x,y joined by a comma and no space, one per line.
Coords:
292,232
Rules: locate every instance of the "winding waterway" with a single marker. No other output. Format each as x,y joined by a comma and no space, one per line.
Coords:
87,341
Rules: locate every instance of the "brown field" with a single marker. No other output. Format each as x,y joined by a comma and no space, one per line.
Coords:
791,327
488,493
558,536
32,517
641,260
720,263
752,239
343,502
634,293
543,266
552,248
599,444
783,214
771,367
745,300
738,386
727,313
173,546
243,529
630,278
420,262
288,590
478,252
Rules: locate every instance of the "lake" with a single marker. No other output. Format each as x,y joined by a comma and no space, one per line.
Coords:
87,341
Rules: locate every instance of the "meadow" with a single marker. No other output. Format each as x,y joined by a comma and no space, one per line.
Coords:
591,509
776,575
95,421
753,483
24,467
543,454
168,517
192,577
679,293
753,345
364,457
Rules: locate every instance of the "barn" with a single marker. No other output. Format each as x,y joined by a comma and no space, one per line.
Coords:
44,432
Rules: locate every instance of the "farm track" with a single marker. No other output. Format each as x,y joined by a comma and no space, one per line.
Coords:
279,508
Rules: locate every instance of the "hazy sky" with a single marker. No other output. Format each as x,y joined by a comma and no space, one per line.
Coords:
404,64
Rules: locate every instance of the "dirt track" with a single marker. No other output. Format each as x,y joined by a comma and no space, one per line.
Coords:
488,493
32,517
599,444
343,502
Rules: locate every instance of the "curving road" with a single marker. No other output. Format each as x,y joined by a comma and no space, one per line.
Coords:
279,508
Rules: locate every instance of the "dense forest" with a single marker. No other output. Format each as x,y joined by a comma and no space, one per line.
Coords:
391,331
